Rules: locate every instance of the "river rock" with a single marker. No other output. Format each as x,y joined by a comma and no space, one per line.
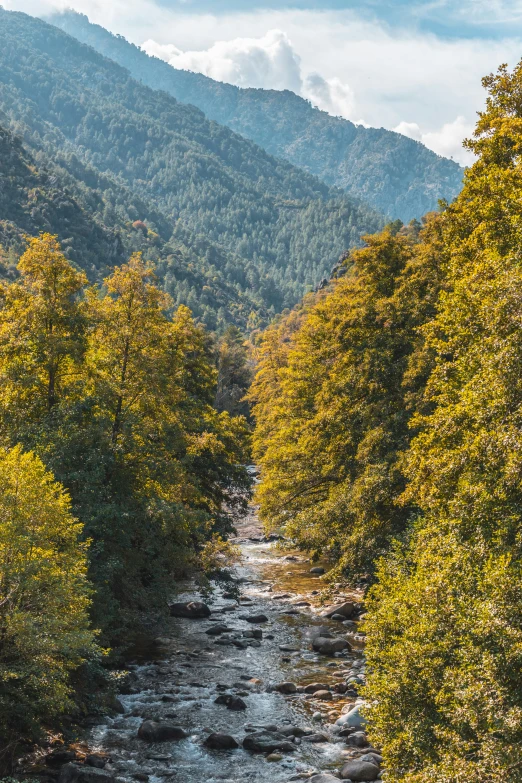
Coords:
219,741
316,738
236,704
153,731
267,742
95,760
358,770
373,758
346,610
315,686
60,757
318,630
323,777
317,570
357,739
323,695
78,773
293,731
216,630
194,610
254,618
330,646
353,718
286,688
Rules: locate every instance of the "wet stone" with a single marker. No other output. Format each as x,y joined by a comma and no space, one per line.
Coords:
219,741
358,770
155,731
286,688
254,618
193,610
267,742
216,630
78,773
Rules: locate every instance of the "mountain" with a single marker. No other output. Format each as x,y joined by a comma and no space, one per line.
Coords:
269,230
35,199
398,176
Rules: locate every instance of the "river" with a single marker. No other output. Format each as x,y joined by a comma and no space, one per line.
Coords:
189,669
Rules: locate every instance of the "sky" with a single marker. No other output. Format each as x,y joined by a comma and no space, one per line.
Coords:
414,66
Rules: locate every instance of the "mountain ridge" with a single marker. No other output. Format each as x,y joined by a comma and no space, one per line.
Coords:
398,176
264,227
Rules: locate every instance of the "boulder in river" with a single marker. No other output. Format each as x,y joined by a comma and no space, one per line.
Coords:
330,646
347,610
357,739
316,737
234,703
267,742
315,686
287,688
323,777
323,695
219,741
60,757
95,760
353,718
78,773
216,630
193,610
254,618
317,570
358,770
156,731
293,731
318,630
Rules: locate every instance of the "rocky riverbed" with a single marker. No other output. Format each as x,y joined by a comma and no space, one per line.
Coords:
263,690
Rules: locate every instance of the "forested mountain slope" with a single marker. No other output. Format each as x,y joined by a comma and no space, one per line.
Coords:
266,228
398,176
33,199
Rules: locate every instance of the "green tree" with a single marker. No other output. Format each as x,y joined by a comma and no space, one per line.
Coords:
445,628
44,599
42,334
332,406
234,373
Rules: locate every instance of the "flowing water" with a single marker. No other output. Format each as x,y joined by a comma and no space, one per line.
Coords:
188,671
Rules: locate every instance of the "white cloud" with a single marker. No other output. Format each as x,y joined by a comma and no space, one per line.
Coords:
446,140
331,95
344,62
270,61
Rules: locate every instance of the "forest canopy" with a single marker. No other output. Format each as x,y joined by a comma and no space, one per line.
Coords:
388,433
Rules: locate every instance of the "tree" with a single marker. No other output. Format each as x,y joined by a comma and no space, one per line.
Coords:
445,628
332,407
44,598
42,336
234,373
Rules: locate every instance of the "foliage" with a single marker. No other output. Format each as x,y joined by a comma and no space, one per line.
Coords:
445,628
396,175
234,373
44,598
333,403
113,389
231,229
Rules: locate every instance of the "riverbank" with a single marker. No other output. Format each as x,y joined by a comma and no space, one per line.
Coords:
250,671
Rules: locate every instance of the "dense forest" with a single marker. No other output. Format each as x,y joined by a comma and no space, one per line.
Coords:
115,468
388,434
140,244
398,176
200,201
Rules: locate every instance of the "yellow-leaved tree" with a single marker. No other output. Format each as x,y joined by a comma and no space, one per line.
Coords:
44,599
